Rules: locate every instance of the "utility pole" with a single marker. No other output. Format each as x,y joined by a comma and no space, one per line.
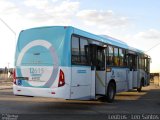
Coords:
11,31
8,26
152,47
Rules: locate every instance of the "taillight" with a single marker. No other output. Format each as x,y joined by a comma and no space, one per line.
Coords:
14,76
61,81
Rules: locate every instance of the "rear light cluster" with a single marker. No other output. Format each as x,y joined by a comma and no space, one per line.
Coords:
61,81
14,76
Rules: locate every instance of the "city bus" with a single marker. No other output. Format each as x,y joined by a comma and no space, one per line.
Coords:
69,63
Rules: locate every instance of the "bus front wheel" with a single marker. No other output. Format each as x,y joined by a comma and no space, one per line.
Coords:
111,91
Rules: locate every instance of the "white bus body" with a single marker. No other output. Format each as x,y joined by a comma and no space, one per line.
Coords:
65,62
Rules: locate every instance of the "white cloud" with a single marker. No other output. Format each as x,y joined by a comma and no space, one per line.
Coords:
102,18
39,4
7,7
149,42
145,40
32,13
52,12
151,34
54,0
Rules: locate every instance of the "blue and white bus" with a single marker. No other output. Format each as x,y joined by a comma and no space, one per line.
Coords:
69,63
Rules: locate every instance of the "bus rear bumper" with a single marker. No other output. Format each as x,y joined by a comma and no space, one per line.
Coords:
60,92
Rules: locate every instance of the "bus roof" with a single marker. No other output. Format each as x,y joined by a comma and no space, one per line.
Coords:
101,38
106,39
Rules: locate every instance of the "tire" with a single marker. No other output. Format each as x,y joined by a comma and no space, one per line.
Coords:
111,91
140,88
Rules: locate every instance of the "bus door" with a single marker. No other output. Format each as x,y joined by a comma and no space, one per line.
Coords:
132,74
98,67
81,76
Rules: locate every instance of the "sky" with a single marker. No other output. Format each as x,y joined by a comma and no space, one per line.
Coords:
136,22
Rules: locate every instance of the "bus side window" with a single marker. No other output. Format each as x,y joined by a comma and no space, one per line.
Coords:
80,51
140,62
84,51
75,50
121,57
100,59
148,65
110,55
132,61
116,58
125,62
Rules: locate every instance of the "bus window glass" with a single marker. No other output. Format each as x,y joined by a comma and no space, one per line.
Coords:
146,64
116,59
140,62
125,62
100,59
110,55
121,57
143,63
75,50
84,51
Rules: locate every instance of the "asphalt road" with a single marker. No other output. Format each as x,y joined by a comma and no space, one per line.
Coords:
128,105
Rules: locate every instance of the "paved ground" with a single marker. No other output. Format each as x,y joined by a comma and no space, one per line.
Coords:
5,84
130,103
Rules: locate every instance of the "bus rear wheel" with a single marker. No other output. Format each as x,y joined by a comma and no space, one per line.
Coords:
111,91
140,87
